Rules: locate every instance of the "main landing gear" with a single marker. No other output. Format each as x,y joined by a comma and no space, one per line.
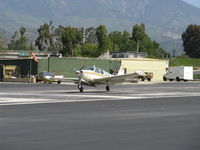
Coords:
107,88
80,88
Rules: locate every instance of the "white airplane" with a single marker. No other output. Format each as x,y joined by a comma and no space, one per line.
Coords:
93,76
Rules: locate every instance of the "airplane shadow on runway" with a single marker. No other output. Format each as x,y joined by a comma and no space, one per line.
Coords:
77,92
93,92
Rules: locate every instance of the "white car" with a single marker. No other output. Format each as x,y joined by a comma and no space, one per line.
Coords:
47,77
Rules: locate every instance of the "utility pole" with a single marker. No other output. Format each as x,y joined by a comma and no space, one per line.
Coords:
113,45
84,35
48,61
174,53
30,72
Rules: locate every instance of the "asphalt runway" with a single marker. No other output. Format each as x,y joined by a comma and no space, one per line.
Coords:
19,93
163,116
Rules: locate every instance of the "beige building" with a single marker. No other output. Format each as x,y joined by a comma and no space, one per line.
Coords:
156,66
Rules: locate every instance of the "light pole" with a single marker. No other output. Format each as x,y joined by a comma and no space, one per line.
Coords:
30,72
48,61
113,42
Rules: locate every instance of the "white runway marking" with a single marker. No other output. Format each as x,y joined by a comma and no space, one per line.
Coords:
17,101
36,98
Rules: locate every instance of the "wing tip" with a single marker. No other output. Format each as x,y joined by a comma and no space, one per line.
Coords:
141,73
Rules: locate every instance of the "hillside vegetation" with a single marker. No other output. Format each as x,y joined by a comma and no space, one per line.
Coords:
165,19
89,42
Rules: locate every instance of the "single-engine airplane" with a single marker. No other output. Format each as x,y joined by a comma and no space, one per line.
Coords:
93,76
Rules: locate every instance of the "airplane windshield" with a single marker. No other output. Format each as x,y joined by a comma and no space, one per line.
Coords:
90,68
103,72
98,70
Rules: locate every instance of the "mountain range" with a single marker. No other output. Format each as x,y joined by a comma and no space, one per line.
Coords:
193,2
165,20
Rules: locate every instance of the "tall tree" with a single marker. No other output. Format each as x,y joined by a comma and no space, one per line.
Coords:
116,40
102,37
71,37
152,48
127,43
11,44
22,43
2,41
57,45
121,41
45,38
138,33
191,41
22,31
19,42
90,36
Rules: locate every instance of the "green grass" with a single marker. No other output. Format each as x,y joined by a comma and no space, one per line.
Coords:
66,66
184,62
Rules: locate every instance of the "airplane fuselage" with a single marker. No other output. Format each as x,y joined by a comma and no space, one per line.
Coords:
89,76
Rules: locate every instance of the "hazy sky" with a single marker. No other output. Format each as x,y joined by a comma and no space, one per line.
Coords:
194,2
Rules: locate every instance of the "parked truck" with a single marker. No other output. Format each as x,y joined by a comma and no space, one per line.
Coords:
148,76
179,73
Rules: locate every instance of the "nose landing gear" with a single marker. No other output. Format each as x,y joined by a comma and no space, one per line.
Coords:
80,88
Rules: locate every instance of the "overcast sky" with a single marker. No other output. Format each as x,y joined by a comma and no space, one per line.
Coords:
194,2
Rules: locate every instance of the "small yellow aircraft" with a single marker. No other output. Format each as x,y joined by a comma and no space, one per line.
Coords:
93,76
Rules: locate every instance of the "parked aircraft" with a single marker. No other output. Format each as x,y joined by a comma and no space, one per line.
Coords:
93,76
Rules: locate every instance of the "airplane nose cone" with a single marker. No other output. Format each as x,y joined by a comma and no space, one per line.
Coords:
77,71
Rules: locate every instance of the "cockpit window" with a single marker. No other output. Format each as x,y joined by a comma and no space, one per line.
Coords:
105,73
97,70
102,72
90,68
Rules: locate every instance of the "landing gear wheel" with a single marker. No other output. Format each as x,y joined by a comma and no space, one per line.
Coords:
80,88
107,88
178,79
164,79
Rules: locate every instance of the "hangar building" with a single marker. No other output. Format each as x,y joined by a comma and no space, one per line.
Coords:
156,66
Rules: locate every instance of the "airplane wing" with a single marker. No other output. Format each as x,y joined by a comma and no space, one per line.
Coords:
118,78
68,79
74,80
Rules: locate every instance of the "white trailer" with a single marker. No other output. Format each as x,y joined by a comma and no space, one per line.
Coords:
179,73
